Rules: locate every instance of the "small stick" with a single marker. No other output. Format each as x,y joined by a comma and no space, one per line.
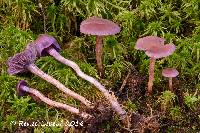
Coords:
44,17
125,81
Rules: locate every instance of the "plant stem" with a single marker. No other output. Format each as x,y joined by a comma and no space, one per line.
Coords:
125,81
98,50
35,70
170,84
43,14
112,99
151,75
54,103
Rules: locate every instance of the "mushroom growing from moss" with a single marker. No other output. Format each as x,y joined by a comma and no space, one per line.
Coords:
47,45
170,73
24,61
100,28
23,89
154,48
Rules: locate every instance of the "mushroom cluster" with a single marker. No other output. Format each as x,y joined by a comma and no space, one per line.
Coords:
154,48
46,45
24,61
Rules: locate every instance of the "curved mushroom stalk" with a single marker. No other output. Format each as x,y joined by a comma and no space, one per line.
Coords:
24,61
112,99
47,46
22,88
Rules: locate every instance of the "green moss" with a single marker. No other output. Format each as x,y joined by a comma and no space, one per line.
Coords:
21,21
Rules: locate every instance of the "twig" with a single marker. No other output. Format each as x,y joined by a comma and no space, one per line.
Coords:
125,81
151,110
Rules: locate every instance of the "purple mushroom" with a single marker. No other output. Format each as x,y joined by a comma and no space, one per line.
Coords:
24,92
24,61
170,73
154,48
23,89
47,45
100,28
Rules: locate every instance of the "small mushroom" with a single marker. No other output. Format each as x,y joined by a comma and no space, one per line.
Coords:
47,45
154,48
99,27
23,89
170,73
24,61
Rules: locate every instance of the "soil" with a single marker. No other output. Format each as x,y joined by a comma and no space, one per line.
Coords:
147,119
26,129
104,115
134,88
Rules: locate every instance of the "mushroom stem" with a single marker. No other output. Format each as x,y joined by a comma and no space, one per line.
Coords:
112,99
35,70
54,103
151,75
170,84
98,50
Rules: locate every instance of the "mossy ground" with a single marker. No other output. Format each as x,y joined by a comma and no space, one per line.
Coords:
177,21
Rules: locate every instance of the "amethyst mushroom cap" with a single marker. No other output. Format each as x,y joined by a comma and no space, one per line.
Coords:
154,47
44,42
20,62
23,90
160,51
170,72
146,43
20,91
99,27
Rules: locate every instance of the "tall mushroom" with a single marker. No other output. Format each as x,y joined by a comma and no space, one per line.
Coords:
24,61
23,89
100,28
47,45
154,48
170,73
